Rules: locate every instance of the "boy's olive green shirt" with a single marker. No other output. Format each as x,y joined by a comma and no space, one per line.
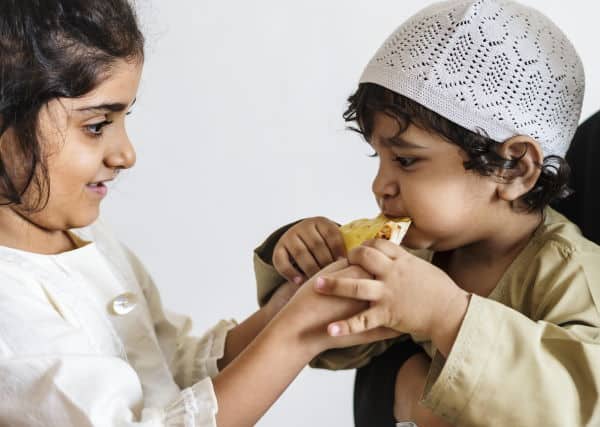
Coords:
527,355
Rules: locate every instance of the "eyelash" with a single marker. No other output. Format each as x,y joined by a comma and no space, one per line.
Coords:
401,160
95,129
406,162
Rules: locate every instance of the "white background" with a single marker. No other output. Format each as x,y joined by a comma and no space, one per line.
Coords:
238,121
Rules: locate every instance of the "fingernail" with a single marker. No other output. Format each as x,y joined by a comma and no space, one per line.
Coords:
297,280
334,330
320,283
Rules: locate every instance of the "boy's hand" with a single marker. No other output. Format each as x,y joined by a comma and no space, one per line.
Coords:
406,293
307,247
309,313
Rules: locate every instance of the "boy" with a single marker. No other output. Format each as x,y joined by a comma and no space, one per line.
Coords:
470,107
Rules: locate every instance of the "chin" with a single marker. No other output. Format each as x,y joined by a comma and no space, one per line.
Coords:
84,218
418,244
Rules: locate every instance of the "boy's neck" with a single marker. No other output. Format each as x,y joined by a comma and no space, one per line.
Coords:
490,257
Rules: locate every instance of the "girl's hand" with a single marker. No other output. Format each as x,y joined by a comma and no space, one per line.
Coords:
405,293
308,313
307,247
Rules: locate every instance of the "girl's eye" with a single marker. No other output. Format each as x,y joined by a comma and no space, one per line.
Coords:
95,129
405,161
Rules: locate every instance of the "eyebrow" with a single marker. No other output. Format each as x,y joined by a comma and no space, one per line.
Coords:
113,107
399,142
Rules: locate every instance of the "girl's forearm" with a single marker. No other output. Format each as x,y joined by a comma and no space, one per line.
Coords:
252,382
239,337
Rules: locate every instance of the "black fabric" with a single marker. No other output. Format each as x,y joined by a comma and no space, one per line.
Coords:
374,384
583,206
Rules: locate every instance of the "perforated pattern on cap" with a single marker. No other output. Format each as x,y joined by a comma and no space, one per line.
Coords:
488,65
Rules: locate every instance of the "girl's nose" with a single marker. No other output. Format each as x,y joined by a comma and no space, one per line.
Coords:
121,154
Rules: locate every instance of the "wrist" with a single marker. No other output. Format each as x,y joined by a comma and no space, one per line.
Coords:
283,333
279,299
268,311
449,320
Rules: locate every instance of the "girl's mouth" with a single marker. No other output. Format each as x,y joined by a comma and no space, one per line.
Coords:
98,188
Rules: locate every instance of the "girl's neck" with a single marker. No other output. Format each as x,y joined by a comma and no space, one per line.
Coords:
17,231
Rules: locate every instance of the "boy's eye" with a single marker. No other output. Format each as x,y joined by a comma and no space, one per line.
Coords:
95,129
405,161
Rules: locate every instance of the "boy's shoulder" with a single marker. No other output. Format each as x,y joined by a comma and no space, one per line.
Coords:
556,274
558,233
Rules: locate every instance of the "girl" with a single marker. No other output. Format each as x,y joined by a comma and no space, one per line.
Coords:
83,337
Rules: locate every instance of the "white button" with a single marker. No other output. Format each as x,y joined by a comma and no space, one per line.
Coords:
124,303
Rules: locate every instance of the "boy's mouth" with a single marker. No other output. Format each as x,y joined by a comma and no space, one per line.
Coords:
393,215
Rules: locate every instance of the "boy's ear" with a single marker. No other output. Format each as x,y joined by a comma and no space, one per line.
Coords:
517,181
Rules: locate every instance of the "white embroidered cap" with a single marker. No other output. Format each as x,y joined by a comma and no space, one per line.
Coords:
490,65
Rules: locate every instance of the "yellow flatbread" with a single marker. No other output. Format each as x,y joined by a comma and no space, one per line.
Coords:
356,232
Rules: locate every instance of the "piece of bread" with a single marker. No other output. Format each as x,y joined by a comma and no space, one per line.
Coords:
356,232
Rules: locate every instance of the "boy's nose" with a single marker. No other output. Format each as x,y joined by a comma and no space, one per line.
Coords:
384,185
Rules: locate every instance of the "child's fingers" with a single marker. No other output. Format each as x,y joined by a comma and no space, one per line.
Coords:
363,321
336,266
390,249
302,256
376,334
333,237
362,289
370,259
283,263
317,246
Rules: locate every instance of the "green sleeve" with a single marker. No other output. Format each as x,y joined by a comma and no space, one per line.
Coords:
267,278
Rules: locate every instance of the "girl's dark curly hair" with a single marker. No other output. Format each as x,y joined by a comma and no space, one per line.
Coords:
482,151
52,49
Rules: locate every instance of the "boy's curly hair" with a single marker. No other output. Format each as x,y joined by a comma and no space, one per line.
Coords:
370,98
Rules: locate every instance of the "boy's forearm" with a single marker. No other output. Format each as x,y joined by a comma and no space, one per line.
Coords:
250,384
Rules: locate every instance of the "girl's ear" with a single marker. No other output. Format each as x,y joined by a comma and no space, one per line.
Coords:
517,181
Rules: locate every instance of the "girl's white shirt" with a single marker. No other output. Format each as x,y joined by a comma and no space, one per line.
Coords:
71,355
